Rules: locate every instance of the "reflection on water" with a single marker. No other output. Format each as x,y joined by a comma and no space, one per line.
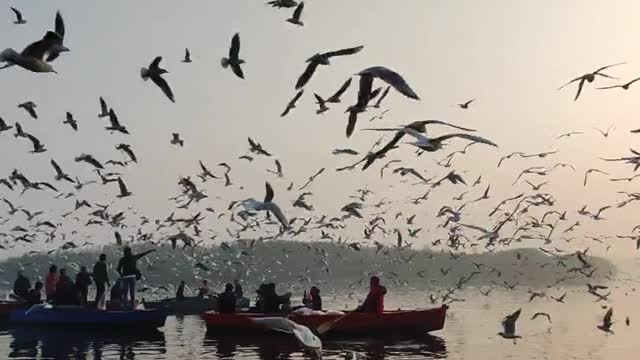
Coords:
49,343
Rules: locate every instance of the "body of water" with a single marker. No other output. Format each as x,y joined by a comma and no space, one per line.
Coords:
470,333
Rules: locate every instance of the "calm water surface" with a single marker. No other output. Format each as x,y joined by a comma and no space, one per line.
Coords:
469,334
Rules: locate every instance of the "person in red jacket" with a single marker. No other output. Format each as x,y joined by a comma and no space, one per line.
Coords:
374,303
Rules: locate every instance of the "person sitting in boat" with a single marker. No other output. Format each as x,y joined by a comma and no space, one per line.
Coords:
204,289
34,296
269,301
180,292
129,273
227,300
50,281
374,303
316,299
83,280
21,287
66,293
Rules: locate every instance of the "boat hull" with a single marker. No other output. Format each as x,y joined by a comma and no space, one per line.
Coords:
6,307
188,306
76,316
412,322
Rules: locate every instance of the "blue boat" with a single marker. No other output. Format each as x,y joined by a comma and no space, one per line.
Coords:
78,316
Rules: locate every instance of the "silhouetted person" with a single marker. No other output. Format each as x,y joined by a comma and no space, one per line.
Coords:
316,299
180,292
101,277
35,294
227,300
83,280
374,303
204,289
21,286
50,282
129,273
65,290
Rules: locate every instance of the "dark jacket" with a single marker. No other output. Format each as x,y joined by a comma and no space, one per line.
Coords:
227,302
34,297
65,292
127,264
83,280
100,274
21,286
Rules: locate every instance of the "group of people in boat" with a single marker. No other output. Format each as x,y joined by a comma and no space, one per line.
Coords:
59,289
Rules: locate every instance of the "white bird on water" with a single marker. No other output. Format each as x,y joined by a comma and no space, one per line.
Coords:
286,326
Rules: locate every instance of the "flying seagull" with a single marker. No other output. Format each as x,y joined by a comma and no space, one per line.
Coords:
465,105
234,60
115,124
267,205
335,98
19,19
58,48
175,140
4,126
104,109
38,147
154,72
589,77
124,192
509,326
295,19
607,322
60,175
622,86
292,103
187,56
32,57
321,103
29,107
322,59
71,121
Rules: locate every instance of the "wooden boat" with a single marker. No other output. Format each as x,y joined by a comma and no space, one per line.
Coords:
195,305
78,316
407,322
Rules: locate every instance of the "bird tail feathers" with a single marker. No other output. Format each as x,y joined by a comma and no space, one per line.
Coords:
144,73
224,62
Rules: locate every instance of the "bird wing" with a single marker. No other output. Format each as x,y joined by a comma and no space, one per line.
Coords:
275,209
122,186
571,82
187,54
319,98
392,78
343,52
35,141
439,122
113,118
164,86
278,166
580,85
474,227
464,136
390,145
234,50
608,316
606,67
238,71
335,97
155,63
306,75
384,95
103,105
269,193
18,14
39,48
252,143
351,123
59,24
56,167
298,11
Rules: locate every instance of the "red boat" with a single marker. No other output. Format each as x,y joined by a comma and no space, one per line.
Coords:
6,307
352,324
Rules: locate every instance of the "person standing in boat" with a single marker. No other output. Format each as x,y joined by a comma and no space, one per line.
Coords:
129,274
237,289
66,293
316,299
83,280
21,286
50,282
374,303
227,300
101,279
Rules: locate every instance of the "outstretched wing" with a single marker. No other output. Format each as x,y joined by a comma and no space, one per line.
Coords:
336,97
467,137
306,75
164,86
155,63
234,50
269,192
343,52
392,78
59,24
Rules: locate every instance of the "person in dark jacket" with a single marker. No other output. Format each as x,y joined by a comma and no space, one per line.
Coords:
65,290
128,272
100,277
35,294
227,300
83,280
374,303
21,286
316,300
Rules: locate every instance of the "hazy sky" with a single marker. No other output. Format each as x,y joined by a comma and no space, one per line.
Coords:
510,55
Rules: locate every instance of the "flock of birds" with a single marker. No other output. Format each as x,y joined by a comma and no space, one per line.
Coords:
513,218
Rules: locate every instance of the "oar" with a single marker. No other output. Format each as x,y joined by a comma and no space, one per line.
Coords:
327,326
